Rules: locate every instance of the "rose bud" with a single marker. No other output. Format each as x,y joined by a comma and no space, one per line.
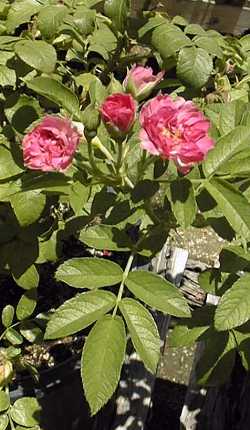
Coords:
51,145
91,117
118,112
175,130
140,81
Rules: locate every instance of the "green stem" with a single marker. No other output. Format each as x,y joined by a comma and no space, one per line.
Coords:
197,181
95,169
128,182
13,325
144,164
121,288
119,158
11,422
96,142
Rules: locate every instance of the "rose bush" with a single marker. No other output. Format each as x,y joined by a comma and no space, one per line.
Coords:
112,135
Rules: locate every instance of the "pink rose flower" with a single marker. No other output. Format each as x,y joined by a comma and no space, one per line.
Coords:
175,130
140,81
118,112
51,145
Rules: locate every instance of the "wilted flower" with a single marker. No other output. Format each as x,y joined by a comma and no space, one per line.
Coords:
51,145
140,81
118,112
175,130
6,368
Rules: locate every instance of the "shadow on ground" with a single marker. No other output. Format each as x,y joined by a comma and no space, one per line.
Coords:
167,402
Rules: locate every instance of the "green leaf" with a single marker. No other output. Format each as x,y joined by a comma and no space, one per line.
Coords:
232,204
21,254
8,315
151,24
102,359
4,401
143,331
89,273
7,42
13,352
97,92
29,279
168,39
26,412
238,166
245,42
103,41
210,281
234,258
5,56
230,116
26,304
30,428
183,336
242,338
50,18
79,312
234,306
57,93
117,11
225,148
155,291
183,202
8,167
21,111
51,249
194,66
102,202
78,196
91,117
22,203
187,331
216,363
21,12
31,332
144,190
7,76
91,3
37,54
4,421
83,19
105,237
194,29
209,44
13,336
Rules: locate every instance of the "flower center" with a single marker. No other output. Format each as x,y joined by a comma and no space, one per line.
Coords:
172,134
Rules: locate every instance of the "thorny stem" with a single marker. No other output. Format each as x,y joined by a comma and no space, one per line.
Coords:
121,288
